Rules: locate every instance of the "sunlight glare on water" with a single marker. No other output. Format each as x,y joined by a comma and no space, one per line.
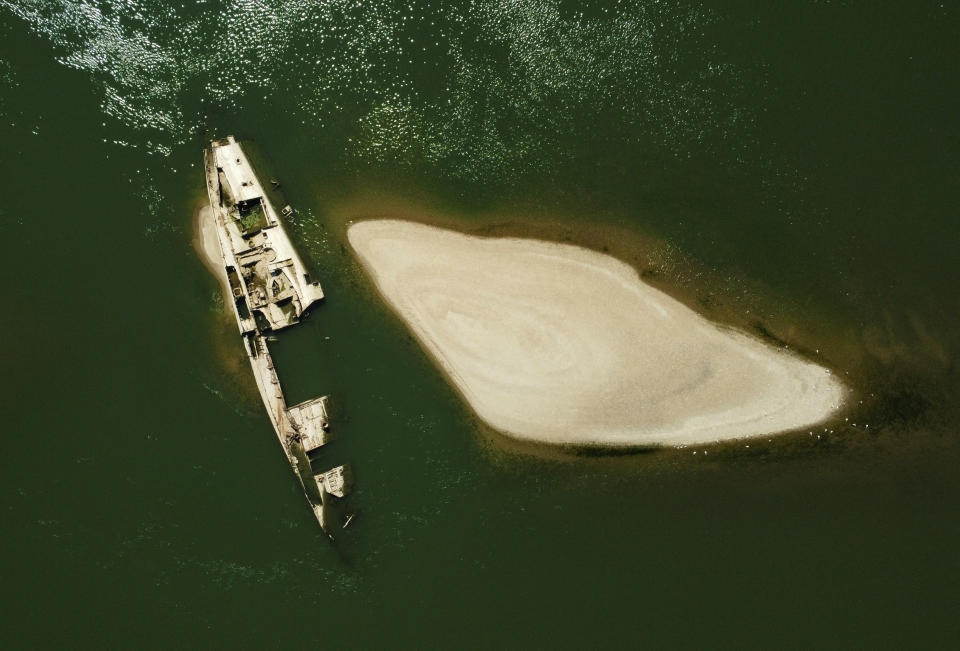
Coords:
481,90
787,169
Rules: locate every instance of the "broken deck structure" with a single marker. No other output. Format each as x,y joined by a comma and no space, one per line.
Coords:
270,290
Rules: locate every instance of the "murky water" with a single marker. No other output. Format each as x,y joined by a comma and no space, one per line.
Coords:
790,169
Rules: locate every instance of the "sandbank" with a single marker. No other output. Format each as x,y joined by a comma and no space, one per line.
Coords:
206,244
553,343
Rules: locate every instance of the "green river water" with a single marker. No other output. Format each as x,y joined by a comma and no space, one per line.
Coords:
791,168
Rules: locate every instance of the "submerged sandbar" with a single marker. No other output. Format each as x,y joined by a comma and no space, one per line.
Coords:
559,344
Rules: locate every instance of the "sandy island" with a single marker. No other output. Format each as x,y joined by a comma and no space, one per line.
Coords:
558,344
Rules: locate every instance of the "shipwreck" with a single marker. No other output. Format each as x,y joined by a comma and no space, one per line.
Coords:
270,290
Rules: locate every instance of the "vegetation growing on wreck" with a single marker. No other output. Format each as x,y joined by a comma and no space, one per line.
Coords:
253,220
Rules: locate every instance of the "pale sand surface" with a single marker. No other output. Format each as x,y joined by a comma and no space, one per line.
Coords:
558,344
206,244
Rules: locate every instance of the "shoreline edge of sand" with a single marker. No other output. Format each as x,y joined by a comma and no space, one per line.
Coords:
557,344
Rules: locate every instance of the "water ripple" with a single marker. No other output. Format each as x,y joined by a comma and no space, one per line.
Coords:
481,90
